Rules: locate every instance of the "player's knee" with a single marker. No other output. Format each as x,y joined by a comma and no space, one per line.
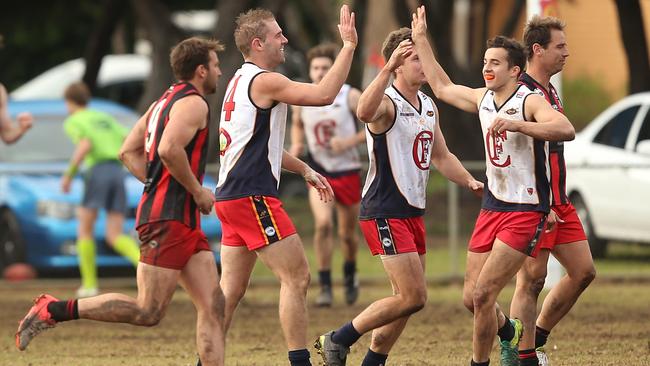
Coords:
586,277
150,317
298,280
468,301
415,300
323,228
481,297
379,339
536,286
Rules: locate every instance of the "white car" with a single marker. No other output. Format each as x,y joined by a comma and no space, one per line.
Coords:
121,79
608,174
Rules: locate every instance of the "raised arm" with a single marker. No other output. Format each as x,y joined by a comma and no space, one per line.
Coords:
449,165
549,125
187,116
297,132
459,96
375,108
271,86
9,132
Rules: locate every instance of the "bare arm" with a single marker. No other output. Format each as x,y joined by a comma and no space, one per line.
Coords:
459,96
271,86
374,107
10,132
80,152
549,125
132,152
297,132
187,116
297,166
449,165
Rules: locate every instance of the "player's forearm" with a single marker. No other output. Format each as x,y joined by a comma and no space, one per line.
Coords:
136,163
450,167
9,132
332,82
297,139
371,98
293,164
175,160
558,130
435,74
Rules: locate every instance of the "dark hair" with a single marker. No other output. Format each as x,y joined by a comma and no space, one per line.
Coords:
514,48
186,56
250,25
538,30
329,50
77,93
393,40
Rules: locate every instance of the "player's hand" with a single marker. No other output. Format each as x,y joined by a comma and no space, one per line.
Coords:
321,184
500,125
66,183
419,25
551,221
346,27
25,121
204,200
403,50
3,97
476,187
339,145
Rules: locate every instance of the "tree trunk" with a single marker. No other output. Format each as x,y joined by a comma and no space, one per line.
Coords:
355,77
155,19
100,40
630,19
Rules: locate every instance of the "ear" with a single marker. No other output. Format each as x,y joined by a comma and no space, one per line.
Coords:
516,70
537,49
201,71
256,43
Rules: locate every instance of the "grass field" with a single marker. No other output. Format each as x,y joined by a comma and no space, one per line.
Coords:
609,326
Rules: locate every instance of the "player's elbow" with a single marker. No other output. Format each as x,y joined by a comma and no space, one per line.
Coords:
364,113
165,152
568,133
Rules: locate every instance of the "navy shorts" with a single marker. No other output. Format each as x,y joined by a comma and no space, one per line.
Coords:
104,187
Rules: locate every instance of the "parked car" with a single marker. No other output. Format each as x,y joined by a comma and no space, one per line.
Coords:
37,221
120,79
608,178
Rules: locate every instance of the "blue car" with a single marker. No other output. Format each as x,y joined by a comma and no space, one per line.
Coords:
37,221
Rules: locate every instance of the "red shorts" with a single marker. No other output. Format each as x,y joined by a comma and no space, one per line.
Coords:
569,231
394,236
253,221
347,189
170,243
519,230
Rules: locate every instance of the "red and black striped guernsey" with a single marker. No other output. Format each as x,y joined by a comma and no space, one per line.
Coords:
164,198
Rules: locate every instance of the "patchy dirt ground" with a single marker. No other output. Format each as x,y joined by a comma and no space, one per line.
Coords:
609,326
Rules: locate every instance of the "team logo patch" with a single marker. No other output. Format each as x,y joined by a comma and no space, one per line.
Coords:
530,191
324,131
520,94
386,242
422,149
430,113
270,231
512,111
224,141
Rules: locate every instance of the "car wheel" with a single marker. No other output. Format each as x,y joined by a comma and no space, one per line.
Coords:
12,249
598,246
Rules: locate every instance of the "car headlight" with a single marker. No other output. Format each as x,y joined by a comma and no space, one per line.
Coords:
56,209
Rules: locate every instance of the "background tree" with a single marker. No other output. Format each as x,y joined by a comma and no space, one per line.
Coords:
630,18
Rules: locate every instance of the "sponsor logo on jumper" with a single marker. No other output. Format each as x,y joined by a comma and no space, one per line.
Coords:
430,113
530,191
512,111
406,114
487,109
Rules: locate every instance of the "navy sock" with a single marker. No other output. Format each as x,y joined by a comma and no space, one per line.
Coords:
325,278
528,357
346,335
63,310
374,359
507,331
299,357
349,269
486,363
541,336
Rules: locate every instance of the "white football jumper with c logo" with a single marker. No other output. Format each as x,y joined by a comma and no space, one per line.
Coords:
516,164
399,161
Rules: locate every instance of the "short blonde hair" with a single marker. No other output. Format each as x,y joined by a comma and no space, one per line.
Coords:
251,25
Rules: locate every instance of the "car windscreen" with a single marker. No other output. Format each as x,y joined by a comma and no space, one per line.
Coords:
46,141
